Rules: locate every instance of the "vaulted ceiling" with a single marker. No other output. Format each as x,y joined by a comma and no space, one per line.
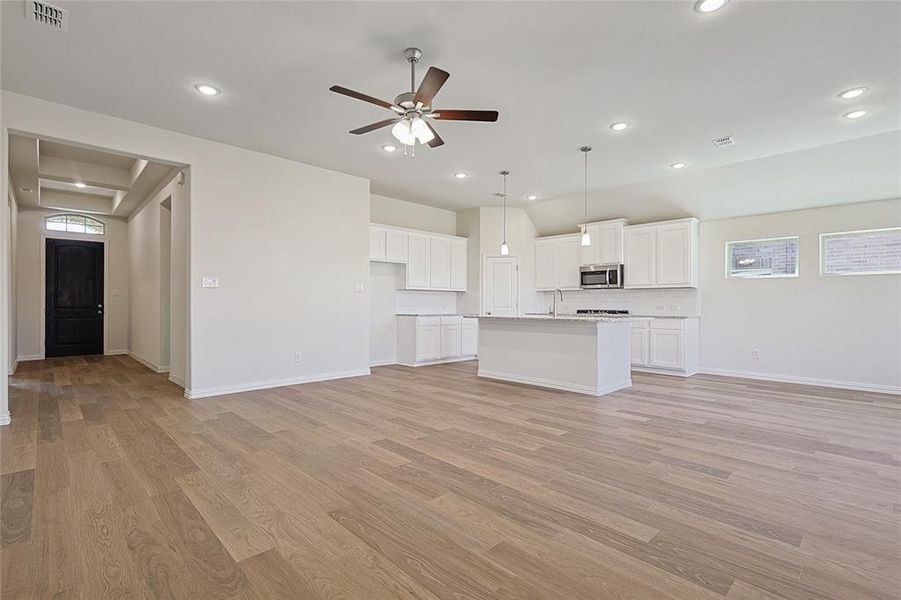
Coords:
766,73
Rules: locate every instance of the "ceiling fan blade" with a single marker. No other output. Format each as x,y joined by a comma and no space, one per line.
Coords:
346,92
465,115
436,141
374,126
431,83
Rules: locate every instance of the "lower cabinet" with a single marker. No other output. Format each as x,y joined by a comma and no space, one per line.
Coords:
665,345
424,340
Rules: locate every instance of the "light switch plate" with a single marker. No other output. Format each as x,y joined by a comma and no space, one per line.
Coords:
209,282
359,286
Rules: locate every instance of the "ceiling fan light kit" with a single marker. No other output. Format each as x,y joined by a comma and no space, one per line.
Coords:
413,110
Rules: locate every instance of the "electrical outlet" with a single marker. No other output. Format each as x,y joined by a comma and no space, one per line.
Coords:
297,357
209,282
755,353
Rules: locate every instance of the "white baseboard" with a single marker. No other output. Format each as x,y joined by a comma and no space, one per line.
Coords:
657,371
13,367
436,362
27,357
115,352
382,363
4,418
832,383
557,385
177,381
262,385
147,363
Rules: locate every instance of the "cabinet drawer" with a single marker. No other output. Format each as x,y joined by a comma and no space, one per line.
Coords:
428,321
666,323
451,320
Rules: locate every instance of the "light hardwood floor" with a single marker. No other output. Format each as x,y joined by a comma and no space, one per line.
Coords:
430,483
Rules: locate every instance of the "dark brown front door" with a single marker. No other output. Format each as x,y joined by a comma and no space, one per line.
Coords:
74,298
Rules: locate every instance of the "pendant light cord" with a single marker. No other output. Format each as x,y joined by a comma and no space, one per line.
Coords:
585,222
505,208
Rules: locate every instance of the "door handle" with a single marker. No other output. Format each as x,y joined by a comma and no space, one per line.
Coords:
99,312
99,306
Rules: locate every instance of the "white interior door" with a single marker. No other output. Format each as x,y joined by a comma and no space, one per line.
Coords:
500,286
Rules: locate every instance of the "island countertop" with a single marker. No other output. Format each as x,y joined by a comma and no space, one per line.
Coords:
561,318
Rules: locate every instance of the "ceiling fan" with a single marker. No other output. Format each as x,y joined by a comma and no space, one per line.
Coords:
413,109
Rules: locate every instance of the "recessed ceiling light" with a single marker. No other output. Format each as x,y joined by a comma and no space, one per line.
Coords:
856,114
852,93
531,197
708,6
207,89
461,175
619,126
389,148
678,165
80,185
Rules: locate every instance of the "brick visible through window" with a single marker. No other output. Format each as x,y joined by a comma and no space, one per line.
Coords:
870,252
776,257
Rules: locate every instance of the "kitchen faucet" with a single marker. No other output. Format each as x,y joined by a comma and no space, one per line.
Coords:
557,291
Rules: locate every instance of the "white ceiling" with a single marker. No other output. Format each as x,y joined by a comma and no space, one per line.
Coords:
559,73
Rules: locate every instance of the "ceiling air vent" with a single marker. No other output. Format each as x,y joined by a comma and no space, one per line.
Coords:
47,14
724,141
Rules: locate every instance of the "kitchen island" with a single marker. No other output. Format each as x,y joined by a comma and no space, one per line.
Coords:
589,355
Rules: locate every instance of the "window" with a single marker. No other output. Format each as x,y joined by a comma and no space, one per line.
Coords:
870,252
774,257
75,224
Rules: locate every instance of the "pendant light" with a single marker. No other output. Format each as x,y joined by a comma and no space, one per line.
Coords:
505,249
586,239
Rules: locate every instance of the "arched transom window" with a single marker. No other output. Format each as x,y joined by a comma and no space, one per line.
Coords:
75,224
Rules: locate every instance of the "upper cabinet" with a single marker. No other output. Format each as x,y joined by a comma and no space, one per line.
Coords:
606,243
557,261
661,255
431,261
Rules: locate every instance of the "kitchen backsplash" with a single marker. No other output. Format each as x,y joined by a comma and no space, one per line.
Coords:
413,302
684,302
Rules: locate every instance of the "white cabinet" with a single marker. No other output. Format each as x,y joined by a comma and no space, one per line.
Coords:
418,268
661,255
469,345
387,245
395,246
665,345
458,265
557,261
606,243
439,263
451,336
376,243
424,340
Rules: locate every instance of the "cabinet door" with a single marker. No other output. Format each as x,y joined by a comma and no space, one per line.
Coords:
569,257
610,244
376,243
673,255
451,340
440,263
638,250
470,343
591,255
395,246
428,342
666,349
458,265
417,261
640,346
545,265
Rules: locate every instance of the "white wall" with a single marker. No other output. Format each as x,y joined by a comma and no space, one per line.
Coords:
400,213
469,226
840,330
13,216
262,225
521,234
30,285
382,319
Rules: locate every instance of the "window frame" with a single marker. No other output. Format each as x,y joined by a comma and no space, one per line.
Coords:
825,236
86,218
728,258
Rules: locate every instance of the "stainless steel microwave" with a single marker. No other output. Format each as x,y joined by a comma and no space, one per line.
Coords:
595,277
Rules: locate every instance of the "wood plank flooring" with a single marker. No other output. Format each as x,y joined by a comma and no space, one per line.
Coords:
432,484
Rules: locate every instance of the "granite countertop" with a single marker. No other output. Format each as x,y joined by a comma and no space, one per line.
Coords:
560,318
629,316
434,315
